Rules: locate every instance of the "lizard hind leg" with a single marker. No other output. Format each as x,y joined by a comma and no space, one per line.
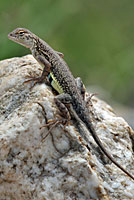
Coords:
88,99
81,87
49,123
82,90
64,117
61,102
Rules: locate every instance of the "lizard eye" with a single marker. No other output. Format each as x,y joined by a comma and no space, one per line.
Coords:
21,33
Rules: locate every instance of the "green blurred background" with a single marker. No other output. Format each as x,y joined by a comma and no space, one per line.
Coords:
96,37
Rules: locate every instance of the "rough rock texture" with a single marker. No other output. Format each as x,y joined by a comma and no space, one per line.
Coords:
59,167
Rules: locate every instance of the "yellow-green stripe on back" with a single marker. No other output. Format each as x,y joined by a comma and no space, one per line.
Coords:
55,84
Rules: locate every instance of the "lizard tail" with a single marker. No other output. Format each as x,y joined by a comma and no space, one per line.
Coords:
99,143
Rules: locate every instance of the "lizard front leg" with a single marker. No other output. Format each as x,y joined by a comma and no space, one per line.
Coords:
45,73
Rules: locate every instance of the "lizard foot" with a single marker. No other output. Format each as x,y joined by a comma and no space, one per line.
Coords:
35,80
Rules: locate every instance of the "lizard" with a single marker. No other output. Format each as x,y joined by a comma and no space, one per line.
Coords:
57,74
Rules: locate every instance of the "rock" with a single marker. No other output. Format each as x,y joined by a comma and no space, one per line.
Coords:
59,167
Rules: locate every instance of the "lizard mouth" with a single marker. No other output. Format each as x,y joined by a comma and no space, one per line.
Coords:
13,37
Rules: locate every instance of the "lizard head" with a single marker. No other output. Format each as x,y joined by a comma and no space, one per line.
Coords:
23,37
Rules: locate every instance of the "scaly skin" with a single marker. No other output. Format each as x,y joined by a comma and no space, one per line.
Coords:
57,73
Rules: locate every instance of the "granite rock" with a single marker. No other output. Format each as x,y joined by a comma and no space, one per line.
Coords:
59,167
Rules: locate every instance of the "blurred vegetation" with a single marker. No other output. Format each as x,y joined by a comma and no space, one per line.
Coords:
96,37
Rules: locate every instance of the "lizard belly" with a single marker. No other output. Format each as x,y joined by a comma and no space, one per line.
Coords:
54,83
